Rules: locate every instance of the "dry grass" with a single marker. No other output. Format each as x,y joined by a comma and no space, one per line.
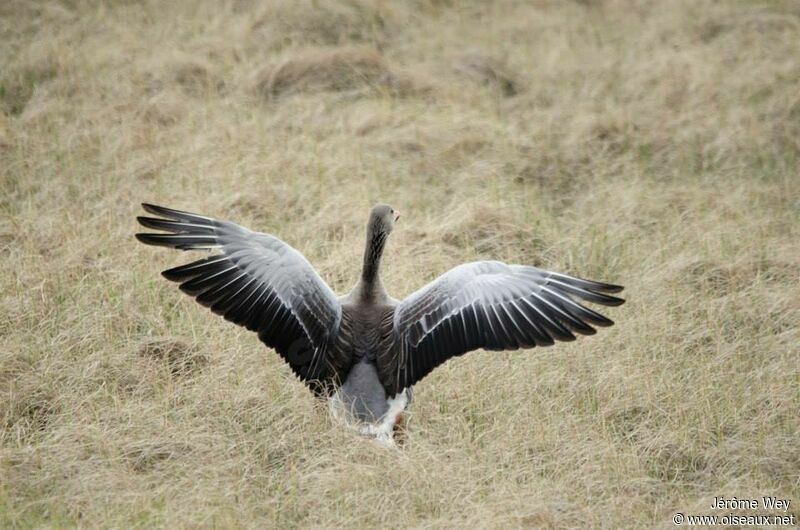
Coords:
649,143
338,69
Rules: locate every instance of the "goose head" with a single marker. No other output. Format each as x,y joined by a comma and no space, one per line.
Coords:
382,218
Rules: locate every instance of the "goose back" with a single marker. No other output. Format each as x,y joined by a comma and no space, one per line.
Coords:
365,336
366,331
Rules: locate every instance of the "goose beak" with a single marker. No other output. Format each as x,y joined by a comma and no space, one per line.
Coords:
396,215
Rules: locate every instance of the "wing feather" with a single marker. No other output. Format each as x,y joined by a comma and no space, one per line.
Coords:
257,281
494,306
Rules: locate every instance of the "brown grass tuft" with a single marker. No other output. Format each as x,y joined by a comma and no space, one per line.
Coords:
730,277
196,77
670,462
146,456
325,22
29,403
488,232
165,108
488,71
331,69
18,85
180,358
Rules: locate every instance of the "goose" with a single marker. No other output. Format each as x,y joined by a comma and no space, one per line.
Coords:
365,351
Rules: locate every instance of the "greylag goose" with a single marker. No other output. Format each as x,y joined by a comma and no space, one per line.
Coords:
364,351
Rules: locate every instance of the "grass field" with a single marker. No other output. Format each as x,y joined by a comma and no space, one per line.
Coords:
654,144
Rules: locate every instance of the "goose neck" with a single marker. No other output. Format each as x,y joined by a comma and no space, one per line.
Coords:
376,240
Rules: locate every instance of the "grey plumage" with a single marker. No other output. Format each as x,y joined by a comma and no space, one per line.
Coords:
366,348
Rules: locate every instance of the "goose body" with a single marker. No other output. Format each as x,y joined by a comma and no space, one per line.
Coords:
362,400
364,351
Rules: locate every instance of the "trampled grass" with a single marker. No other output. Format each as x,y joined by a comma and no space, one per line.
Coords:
652,144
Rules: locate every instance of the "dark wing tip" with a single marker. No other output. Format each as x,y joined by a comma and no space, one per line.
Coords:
163,211
149,239
177,215
149,222
611,288
604,322
154,209
612,301
171,275
599,287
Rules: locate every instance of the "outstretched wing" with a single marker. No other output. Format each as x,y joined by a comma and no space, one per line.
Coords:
257,281
491,305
